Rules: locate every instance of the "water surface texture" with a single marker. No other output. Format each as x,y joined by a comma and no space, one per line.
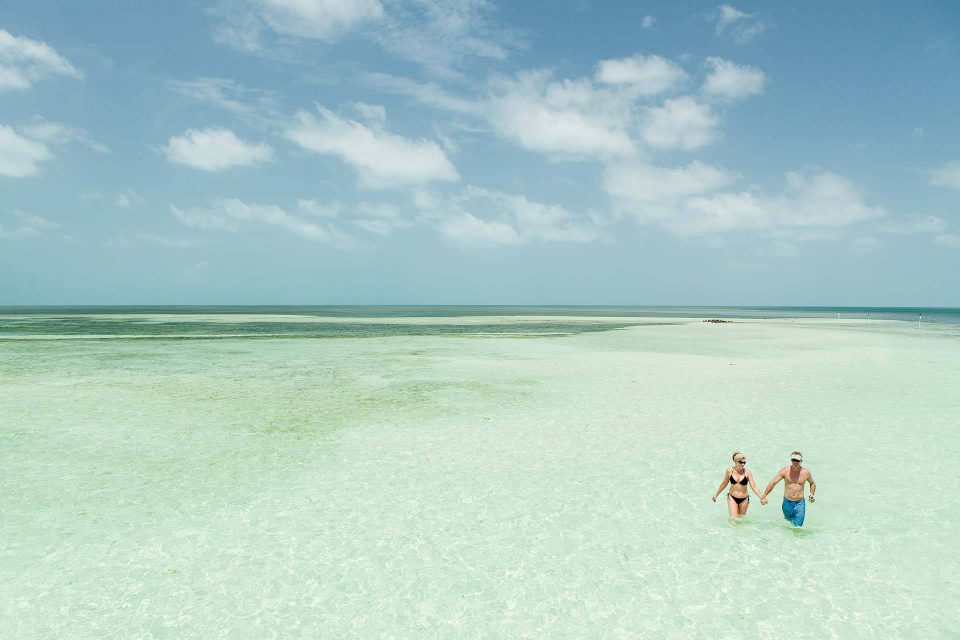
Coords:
472,475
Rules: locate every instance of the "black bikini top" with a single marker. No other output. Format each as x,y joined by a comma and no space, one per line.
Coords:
742,480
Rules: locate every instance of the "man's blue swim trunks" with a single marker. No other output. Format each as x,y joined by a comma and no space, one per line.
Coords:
794,511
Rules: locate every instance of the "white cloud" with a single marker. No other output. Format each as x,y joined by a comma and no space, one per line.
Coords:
215,149
375,113
946,176
949,240
245,21
24,61
127,198
648,22
441,35
379,218
741,27
916,224
428,93
680,123
732,81
57,133
604,116
565,118
485,217
821,200
322,19
256,107
25,224
19,156
466,228
320,210
437,34
807,208
382,159
639,182
641,75
233,215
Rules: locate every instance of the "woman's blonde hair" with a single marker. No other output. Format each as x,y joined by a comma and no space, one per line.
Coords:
734,456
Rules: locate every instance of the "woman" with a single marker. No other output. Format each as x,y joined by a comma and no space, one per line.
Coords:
737,477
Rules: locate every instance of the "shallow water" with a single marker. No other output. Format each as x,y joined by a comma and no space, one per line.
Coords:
475,484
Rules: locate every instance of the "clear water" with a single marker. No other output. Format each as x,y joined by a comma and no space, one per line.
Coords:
496,479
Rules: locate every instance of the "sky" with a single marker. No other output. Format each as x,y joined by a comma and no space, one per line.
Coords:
480,152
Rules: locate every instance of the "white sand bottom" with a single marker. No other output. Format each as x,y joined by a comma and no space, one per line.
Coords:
469,487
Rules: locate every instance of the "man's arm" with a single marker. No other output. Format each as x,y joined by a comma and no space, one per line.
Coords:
813,486
777,478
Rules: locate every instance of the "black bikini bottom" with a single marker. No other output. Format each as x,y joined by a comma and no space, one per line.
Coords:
740,500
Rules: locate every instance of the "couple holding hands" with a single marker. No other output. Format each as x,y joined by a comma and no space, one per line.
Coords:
794,477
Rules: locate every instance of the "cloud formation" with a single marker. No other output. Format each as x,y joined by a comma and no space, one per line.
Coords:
641,75
19,156
439,35
443,35
484,217
57,133
915,224
24,61
572,118
688,201
730,81
256,107
322,19
947,175
215,149
233,215
381,159
739,26
244,21
680,123
610,114
640,182
23,225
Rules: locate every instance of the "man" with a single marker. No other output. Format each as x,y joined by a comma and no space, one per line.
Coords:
794,476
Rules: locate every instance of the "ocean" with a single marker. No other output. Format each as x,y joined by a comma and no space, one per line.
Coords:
463,472
314,321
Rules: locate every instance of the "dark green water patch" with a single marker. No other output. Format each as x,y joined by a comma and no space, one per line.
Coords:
121,328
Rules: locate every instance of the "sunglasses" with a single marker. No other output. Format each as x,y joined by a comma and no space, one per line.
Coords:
796,459
742,461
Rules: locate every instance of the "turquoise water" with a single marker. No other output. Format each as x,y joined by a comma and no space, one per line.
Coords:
358,321
933,314
471,477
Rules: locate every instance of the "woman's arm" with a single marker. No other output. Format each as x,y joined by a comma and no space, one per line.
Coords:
726,479
753,485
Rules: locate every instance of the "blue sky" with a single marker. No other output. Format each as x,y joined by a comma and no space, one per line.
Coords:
479,152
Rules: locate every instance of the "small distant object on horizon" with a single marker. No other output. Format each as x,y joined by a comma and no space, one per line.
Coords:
719,321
